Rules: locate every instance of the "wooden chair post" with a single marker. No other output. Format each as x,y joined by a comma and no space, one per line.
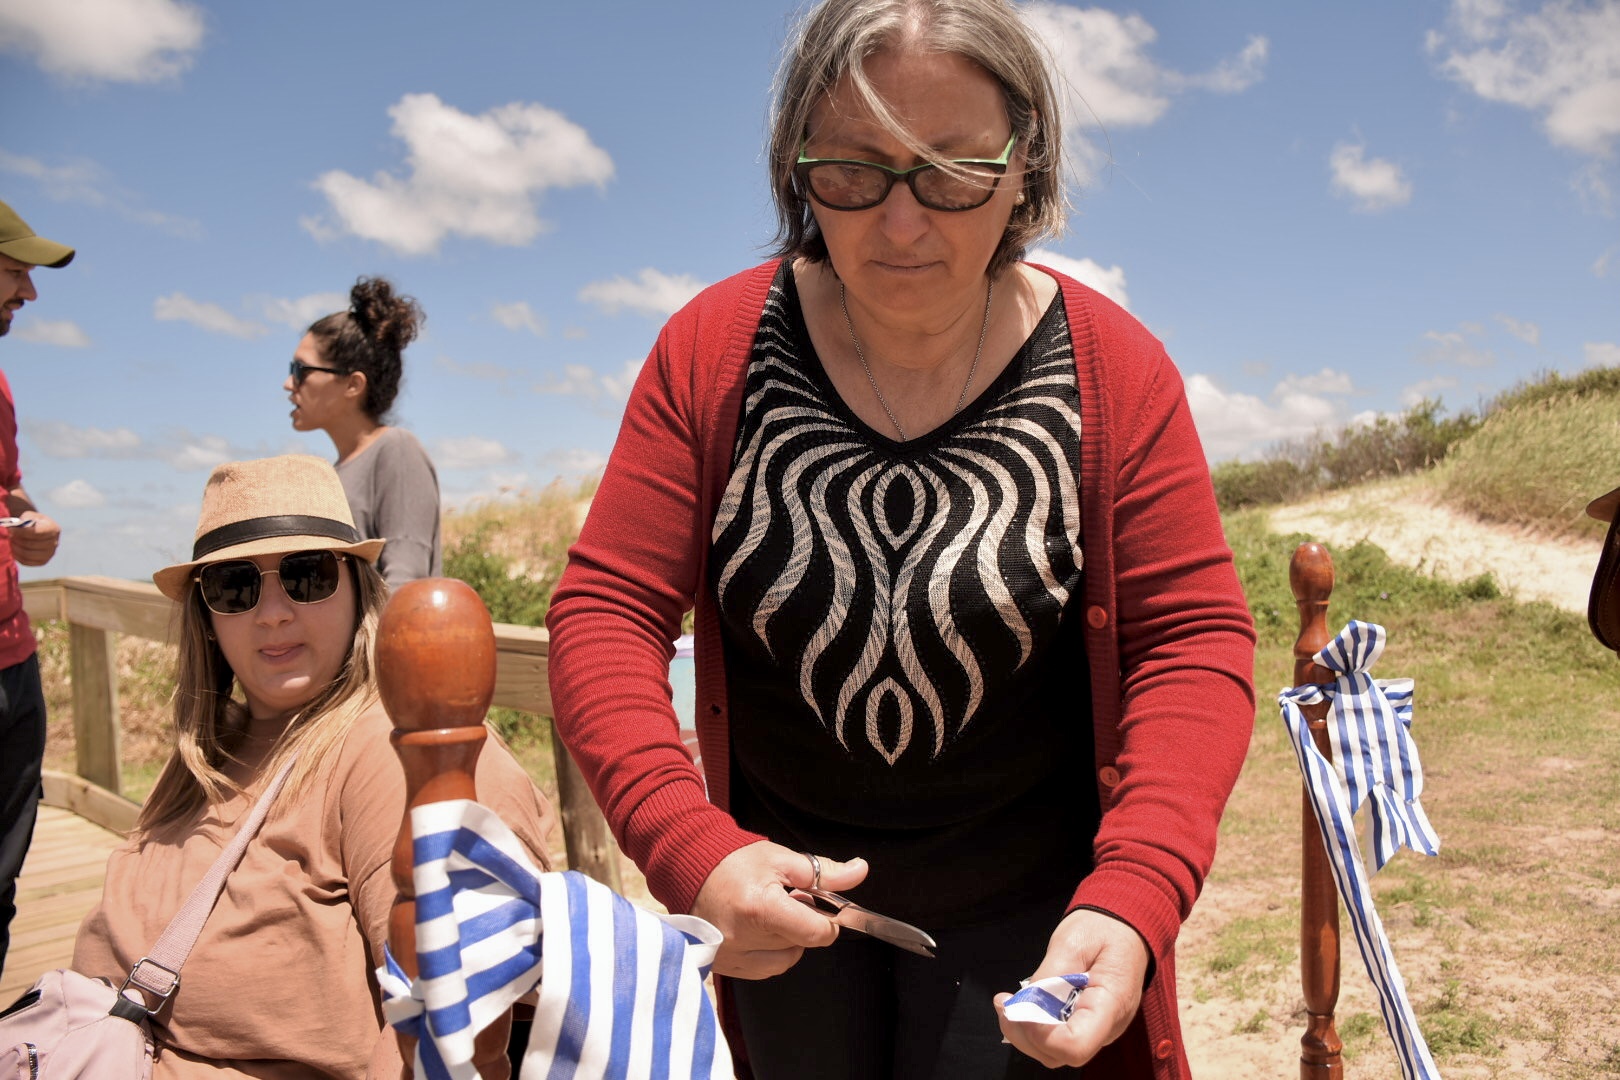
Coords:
436,674
1310,574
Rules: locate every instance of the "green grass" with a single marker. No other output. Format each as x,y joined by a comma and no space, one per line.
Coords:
1537,464
1518,723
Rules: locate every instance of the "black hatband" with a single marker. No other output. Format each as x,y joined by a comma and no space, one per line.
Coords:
264,528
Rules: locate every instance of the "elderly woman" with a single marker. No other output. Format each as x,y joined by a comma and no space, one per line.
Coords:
278,612
343,380
968,631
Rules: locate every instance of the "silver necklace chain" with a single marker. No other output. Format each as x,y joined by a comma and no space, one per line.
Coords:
961,399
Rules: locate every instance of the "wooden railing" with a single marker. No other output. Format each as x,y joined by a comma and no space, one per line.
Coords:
98,609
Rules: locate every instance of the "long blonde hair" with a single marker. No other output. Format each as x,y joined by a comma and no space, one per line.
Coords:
210,725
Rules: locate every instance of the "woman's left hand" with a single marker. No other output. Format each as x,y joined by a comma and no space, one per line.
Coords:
1115,958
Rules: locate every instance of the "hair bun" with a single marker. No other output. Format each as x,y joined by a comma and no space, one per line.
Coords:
387,320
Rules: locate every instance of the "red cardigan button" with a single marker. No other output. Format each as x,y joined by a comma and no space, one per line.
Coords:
1097,617
1109,776
1164,1049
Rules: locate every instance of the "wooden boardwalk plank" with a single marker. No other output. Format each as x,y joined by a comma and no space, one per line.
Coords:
60,883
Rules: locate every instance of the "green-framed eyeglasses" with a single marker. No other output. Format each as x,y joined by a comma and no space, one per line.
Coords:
842,184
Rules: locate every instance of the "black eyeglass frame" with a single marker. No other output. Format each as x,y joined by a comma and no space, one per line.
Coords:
998,165
300,370
310,578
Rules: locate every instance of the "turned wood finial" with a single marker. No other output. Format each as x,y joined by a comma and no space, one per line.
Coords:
1310,575
436,675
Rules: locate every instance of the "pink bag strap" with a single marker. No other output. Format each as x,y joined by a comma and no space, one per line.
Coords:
158,972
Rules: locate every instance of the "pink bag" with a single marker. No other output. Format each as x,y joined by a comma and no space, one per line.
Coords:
73,1027
70,1026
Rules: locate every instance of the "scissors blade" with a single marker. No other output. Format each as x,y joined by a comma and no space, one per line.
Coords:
846,912
895,932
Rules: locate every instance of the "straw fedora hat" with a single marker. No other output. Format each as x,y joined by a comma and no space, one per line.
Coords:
268,507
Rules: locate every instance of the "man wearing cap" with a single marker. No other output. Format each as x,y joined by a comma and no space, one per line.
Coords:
31,543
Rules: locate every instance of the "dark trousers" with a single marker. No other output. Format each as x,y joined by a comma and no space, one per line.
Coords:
861,1009
22,753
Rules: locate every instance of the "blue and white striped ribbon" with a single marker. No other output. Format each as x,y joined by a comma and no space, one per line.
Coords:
1370,731
1373,754
1045,1001
623,991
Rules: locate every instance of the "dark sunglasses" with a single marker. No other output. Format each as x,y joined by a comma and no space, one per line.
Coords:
843,184
298,370
233,587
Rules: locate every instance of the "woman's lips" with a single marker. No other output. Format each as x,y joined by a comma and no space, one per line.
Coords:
278,654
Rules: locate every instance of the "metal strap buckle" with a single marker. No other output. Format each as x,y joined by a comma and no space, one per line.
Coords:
148,989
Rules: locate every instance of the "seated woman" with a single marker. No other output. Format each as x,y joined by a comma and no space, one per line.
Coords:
344,377
280,602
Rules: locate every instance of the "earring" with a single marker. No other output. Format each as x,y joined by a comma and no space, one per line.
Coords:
1018,200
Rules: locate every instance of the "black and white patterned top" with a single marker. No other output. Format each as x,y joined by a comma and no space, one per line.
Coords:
894,613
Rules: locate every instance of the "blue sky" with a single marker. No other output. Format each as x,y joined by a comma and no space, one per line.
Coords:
1326,211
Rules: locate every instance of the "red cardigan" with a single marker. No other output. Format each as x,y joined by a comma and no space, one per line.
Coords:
1169,635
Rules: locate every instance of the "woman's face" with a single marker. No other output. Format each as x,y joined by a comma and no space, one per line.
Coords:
321,397
284,654
899,258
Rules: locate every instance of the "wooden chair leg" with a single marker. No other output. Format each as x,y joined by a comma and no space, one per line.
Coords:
1310,574
436,675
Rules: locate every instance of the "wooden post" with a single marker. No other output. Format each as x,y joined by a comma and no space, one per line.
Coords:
436,675
586,836
94,670
1310,574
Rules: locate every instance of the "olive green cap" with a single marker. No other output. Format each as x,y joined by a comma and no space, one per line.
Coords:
19,241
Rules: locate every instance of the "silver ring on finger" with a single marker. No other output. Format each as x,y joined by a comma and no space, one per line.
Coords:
815,870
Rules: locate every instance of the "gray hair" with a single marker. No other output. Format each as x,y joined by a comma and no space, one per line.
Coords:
834,41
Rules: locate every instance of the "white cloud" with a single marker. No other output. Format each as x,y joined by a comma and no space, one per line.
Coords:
178,307
1600,266
194,453
1107,78
577,380
470,452
477,369
618,386
1109,281
1527,332
59,439
574,463
653,293
519,316
1601,354
580,380
1428,388
298,313
1459,347
76,495
475,176
46,332
114,40
1326,381
1373,184
1560,61
86,182
1241,425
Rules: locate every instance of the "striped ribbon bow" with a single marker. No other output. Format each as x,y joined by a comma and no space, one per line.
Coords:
623,991
1369,722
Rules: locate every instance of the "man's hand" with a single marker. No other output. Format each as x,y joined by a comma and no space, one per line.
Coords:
767,930
1115,958
33,545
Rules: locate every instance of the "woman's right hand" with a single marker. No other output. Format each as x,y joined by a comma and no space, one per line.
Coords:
766,930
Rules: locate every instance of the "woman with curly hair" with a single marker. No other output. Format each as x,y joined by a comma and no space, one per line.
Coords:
343,380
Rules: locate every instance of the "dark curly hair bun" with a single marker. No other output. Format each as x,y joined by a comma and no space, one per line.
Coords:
387,320
370,338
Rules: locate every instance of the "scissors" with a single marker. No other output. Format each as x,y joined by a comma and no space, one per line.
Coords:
848,913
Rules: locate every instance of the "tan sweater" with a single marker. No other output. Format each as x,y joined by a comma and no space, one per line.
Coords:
280,982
